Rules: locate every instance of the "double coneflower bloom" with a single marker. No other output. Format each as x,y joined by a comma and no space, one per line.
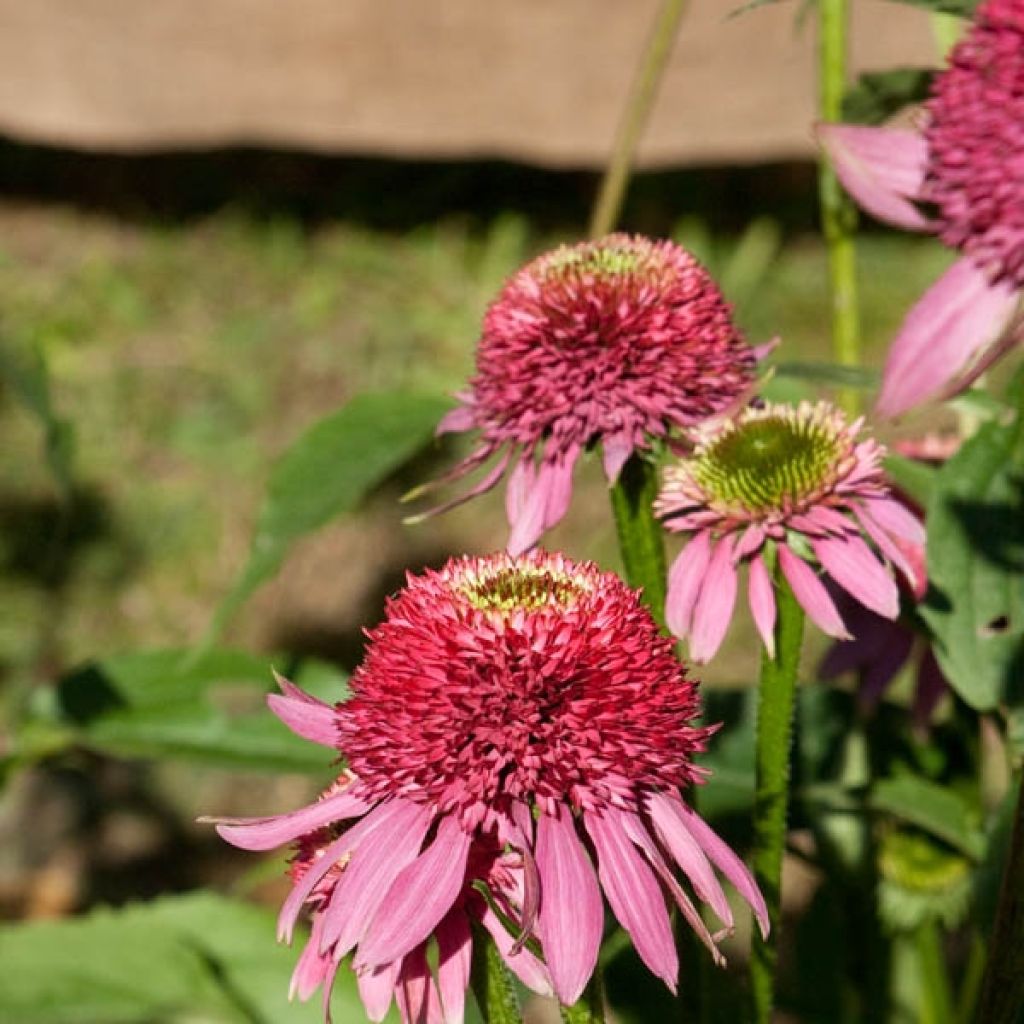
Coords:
518,741
961,178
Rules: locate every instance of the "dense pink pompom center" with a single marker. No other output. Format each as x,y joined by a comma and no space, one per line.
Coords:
532,679
623,336
976,142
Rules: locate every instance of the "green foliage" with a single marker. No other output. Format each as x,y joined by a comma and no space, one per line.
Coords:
880,94
209,708
199,957
961,8
935,809
975,606
327,472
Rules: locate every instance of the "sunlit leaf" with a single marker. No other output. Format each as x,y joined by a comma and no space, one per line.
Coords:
934,808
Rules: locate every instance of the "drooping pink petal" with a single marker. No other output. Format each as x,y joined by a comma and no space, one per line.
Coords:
634,895
851,563
615,452
268,833
311,968
454,959
370,874
715,603
522,840
559,487
961,314
486,483
571,917
882,168
811,593
416,994
521,962
457,420
761,595
377,989
420,896
306,716
684,583
527,498
908,558
726,861
896,518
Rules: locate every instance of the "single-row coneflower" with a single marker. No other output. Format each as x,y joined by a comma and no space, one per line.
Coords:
518,724
961,178
617,342
794,481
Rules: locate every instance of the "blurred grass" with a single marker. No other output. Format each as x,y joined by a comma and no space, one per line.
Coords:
188,353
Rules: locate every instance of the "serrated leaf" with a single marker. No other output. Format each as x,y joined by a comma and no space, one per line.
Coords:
182,958
878,95
933,808
327,472
975,606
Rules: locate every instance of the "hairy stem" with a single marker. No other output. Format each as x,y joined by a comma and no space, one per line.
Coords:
634,118
491,982
838,215
772,754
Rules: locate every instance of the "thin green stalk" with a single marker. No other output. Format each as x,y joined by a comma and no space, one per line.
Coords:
970,984
641,540
634,118
1002,991
838,215
491,982
772,753
937,1007
589,1008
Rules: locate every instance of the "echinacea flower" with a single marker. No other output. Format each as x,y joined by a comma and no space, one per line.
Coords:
616,342
961,178
520,725
795,482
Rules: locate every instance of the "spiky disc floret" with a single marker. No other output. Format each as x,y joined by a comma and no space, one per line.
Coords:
975,136
498,680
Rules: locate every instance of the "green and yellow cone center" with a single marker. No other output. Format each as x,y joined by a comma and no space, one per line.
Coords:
527,589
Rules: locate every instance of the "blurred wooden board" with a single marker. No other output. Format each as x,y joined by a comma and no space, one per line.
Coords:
541,81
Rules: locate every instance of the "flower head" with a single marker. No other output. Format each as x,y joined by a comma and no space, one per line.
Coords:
518,724
618,341
962,178
790,480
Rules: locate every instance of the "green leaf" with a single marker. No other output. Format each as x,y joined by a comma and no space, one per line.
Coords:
199,957
915,478
880,94
27,377
975,606
830,374
328,472
170,703
961,8
933,808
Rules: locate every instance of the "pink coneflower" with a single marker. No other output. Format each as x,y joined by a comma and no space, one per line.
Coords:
518,724
967,169
794,482
617,341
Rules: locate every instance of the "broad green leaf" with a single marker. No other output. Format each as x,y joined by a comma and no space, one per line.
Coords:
934,808
975,606
880,94
198,957
328,472
169,703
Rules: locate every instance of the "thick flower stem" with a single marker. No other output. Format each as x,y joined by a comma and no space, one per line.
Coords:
589,1008
1002,991
491,982
640,535
772,754
641,98
838,215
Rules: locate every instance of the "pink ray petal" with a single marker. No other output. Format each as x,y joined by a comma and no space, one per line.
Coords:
908,558
571,917
418,999
457,420
268,833
896,518
306,716
454,959
811,593
311,968
882,168
482,486
713,610
521,962
851,563
951,323
761,595
559,487
634,895
328,988
522,840
615,452
421,895
684,582
377,989
726,861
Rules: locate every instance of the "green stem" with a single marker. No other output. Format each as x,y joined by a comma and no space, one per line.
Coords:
491,982
838,215
641,540
1002,991
589,1008
634,118
772,752
970,984
937,1006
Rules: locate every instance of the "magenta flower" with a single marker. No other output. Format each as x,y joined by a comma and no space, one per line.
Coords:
967,170
796,484
618,341
519,724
